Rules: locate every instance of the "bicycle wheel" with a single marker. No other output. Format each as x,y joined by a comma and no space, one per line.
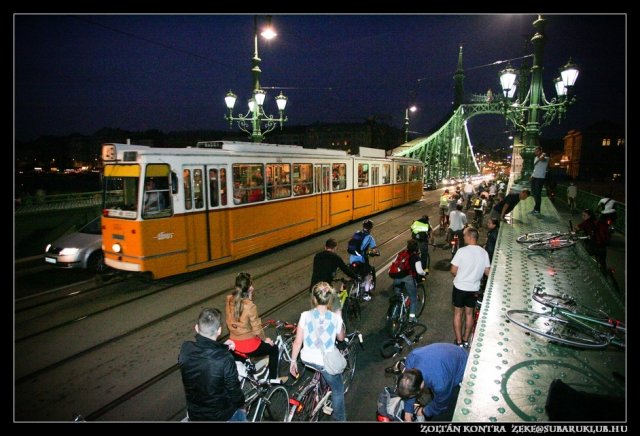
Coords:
557,329
551,244
350,371
275,405
551,300
307,401
351,313
535,237
390,348
422,298
284,363
394,318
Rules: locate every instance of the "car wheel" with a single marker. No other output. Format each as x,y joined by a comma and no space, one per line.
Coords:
95,263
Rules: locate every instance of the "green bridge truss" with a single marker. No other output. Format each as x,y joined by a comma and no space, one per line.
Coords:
448,152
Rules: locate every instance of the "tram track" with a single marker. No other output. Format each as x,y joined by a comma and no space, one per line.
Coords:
149,324
272,273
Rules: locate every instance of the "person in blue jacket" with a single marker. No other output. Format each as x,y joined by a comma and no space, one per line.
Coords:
438,367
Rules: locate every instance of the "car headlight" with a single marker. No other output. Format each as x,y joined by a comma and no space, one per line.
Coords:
46,250
69,251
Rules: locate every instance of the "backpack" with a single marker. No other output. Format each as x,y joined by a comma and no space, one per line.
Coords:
477,202
401,266
354,246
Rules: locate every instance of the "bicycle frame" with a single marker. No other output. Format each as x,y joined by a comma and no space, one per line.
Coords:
565,324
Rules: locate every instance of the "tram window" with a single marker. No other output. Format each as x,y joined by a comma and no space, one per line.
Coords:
174,183
248,183
363,175
223,186
414,173
401,171
386,174
375,175
121,193
326,178
339,176
186,179
278,181
213,187
156,201
198,194
302,179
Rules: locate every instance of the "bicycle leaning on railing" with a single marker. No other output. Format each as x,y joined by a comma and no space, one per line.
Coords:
313,399
570,323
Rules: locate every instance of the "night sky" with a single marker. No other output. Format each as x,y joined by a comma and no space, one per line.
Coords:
79,73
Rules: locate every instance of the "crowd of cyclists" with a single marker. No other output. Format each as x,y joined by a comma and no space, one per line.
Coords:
209,373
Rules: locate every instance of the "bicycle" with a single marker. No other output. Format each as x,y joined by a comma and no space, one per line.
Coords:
263,401
350,295
390,405
550,240
455,243
476,315
399,304
408,336
570,323
285,335
315,395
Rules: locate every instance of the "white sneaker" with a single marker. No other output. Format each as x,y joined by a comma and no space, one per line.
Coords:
367,297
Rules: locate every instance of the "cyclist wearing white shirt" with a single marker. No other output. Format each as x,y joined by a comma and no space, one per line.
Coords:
468,266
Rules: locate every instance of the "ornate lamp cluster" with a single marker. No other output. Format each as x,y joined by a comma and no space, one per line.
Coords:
517,111
253,121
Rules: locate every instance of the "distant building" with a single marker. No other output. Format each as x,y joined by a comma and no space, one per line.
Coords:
596,152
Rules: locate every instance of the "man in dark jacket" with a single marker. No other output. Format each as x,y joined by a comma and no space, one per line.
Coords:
326,263
510,201
209,374
492,236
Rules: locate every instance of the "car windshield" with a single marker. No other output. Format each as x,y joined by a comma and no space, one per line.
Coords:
94,227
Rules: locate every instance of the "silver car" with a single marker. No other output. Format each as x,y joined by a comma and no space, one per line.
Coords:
82,249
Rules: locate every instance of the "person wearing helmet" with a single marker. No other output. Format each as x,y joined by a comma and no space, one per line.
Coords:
359,259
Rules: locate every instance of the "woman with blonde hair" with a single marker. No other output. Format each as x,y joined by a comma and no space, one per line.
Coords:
245,326
318,330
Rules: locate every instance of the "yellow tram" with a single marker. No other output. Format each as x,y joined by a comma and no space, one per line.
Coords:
169,211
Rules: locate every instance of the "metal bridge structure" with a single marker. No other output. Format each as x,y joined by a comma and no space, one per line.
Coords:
448,152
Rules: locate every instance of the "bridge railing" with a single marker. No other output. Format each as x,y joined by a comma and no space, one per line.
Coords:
41,203
588,200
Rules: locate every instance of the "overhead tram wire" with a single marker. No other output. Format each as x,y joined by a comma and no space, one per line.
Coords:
153,42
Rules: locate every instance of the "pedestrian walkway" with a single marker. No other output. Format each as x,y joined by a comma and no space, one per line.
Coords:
509,370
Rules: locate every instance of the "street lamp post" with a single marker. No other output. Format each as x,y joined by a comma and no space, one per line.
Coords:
253,121
406,121
535,102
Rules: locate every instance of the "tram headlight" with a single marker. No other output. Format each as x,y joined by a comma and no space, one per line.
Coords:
117,248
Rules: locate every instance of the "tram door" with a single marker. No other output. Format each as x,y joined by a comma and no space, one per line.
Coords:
375,181
322,181
195,218
218,212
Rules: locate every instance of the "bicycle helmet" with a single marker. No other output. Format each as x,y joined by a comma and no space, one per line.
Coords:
367,224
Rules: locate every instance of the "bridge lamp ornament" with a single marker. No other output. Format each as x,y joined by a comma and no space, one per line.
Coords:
556,108
256,122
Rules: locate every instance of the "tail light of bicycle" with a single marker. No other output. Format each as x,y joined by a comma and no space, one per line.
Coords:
382,418
298,404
